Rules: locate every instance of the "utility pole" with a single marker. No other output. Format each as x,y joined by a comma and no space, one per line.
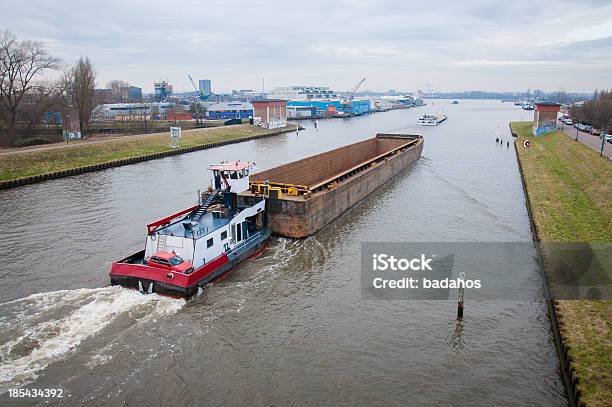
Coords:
603,140
576,133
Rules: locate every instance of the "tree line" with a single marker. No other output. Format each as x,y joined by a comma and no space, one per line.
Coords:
596,112
32,82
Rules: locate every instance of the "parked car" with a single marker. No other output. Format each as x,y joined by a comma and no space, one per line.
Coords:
170,261
587,128
595,132
569,122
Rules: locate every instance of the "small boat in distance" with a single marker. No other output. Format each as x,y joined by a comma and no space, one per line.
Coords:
190,248
428,119
455,102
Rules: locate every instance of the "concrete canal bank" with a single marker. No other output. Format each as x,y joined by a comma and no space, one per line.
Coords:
28,167
568,201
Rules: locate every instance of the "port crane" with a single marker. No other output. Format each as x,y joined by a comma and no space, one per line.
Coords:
346,103
202,95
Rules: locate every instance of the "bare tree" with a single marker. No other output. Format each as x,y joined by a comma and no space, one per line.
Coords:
597,112
198,111
22,64
119,89
83,91
45,96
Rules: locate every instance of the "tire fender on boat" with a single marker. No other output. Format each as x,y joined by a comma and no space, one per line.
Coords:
170,276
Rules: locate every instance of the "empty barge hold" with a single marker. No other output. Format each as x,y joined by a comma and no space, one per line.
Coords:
305,195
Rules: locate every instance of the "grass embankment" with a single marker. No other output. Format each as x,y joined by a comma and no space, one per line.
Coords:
570,190
28,163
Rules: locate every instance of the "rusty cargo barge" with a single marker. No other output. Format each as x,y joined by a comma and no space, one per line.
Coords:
305,195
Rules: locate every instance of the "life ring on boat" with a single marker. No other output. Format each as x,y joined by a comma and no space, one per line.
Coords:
170,276
152,237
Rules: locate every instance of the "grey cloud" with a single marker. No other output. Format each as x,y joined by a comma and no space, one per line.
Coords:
397,44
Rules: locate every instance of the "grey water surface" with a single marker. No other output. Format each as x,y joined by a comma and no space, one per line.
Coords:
291,327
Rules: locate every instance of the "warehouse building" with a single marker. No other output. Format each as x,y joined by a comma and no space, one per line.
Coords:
131,111
228,110
334,107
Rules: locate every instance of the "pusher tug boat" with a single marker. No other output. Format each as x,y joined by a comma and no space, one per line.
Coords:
191,248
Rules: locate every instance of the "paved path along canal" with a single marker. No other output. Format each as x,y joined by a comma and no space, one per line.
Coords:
290,327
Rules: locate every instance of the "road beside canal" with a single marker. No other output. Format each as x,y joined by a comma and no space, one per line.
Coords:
569,187
589,140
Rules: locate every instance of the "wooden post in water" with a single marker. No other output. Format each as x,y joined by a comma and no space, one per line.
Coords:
461,295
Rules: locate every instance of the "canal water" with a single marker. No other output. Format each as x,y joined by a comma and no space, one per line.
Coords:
290,327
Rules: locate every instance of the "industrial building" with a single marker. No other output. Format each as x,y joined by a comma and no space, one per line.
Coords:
104,95
162,91
228,110
302,93
334,107
134,93
204,86
270,113
132,111
301,112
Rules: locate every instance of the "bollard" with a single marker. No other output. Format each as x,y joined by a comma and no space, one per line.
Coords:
461,295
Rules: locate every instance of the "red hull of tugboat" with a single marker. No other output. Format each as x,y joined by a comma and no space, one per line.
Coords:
166,281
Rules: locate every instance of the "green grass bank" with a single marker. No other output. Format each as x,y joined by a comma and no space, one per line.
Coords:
570,189
20,164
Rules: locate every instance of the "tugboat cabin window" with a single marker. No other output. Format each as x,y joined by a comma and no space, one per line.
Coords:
224,235
238,232
233,175
154,260
163,262
209,242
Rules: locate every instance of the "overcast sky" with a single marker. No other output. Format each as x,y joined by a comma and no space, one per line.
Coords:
403,45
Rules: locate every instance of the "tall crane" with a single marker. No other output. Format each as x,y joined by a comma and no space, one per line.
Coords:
347,102
200,93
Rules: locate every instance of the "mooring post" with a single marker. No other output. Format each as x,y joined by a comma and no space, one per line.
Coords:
461,295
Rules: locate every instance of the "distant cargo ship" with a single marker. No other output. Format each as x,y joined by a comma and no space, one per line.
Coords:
305,195
431,119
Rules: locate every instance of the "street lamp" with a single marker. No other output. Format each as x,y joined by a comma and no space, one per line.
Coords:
603,140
